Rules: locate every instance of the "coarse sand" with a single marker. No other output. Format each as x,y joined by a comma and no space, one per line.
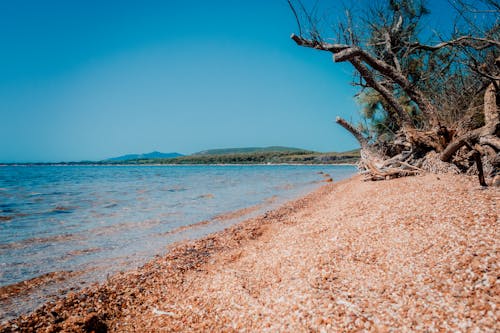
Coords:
410,254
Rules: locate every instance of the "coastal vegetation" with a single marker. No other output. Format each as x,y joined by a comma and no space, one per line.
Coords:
257,156
248,155
429,95
247,150
152,155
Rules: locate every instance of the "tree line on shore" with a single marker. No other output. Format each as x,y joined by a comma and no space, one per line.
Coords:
277,157
297,156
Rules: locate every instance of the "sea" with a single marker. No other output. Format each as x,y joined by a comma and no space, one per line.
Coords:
88,222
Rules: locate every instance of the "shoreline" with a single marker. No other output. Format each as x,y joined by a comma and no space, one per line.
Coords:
314,263
21,289
56,284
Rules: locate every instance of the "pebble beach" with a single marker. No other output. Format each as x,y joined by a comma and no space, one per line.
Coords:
411,254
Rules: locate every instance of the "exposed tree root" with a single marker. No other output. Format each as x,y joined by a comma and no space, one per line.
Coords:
375,173
475,152
422,143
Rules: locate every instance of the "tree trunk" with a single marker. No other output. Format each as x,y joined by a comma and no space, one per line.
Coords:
363,142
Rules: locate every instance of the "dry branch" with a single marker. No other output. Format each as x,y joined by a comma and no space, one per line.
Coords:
351,129
414,81
354,53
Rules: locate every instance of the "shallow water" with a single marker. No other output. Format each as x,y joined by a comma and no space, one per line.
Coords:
103,219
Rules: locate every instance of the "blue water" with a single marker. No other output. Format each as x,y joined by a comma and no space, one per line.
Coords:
109,218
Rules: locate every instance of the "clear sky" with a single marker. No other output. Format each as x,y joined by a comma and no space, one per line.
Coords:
88,80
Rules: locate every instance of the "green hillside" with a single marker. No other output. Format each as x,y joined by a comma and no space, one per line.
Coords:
259,157
248,150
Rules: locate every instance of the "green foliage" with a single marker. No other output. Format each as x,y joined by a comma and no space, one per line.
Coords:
249,150
295,156
377,125
262,157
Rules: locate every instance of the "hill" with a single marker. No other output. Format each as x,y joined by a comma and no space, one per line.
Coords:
249,150
298,156
152,155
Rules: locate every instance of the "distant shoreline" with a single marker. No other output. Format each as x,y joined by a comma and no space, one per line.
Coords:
239,156
171,164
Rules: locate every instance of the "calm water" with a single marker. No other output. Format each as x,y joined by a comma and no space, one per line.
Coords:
102,219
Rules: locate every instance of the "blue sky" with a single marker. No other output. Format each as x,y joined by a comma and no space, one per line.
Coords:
87,80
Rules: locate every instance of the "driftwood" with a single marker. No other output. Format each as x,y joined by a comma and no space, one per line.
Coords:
375,173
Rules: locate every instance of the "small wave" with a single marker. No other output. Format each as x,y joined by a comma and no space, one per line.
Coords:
7,208
237,213
186,227
62,210
175,189
224,217
5,218
124,226
55,193
38,240
23,287
83,251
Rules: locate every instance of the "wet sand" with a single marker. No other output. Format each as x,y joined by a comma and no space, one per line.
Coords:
411,254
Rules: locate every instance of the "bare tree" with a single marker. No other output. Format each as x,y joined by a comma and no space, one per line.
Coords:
426,90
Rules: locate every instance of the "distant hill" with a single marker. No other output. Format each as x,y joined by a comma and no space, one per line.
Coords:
246,155
152,155
251,155
249,150
267,155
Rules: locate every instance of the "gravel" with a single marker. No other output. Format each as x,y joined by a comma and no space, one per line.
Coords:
405,255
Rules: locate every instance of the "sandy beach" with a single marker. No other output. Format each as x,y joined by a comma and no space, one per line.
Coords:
410,254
